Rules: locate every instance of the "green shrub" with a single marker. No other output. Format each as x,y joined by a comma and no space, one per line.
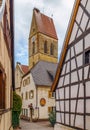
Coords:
52,118
16,110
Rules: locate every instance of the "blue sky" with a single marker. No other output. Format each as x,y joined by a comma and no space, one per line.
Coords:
61,11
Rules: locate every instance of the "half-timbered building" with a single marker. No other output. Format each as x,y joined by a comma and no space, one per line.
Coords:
72,80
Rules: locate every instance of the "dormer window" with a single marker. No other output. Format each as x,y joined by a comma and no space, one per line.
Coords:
87,57
45,47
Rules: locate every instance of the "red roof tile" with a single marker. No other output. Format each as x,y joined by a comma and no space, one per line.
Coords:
45,24
24,68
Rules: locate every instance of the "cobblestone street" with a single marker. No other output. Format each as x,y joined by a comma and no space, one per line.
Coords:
43,125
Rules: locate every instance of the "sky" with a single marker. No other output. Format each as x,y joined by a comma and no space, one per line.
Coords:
59,10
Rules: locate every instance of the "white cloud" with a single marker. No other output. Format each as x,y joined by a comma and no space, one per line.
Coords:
61,10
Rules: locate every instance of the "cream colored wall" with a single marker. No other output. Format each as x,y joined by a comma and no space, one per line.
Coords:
28,88
42,92
5,61
18,79
5,123
50,102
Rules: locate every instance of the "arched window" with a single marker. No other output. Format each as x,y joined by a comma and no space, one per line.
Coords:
33,47
2,90
52,49
45,47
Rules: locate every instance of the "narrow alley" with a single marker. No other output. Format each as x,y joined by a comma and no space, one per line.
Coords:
43,125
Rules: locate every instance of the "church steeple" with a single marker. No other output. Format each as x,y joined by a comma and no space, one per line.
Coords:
43,41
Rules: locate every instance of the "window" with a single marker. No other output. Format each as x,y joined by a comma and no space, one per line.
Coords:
50,109
87,57
52,49
26,81
45,47
22,96
2,90
33,47
51,94
31,94
26,95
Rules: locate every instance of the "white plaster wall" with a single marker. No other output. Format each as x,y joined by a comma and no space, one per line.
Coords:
87,122
68,55
74,31
67,92
74,77
66,79
68,67
63,69
28,88
72,52
86,72
50,102
61,93
83,2
79,60
79,14
79,47
84,21
18,76
60,82
73,64
79,121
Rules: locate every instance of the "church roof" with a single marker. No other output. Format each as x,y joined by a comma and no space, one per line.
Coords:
65,44
43,73
45,24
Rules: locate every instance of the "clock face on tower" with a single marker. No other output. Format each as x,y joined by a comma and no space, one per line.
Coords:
33,39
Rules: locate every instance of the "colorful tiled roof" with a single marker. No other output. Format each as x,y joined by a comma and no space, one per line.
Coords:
45,24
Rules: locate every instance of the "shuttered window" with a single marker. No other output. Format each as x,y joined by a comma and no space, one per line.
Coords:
2,91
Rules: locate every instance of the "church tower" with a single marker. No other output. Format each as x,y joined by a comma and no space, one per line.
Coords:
43,41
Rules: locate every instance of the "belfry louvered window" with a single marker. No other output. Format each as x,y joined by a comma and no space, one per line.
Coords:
45,47
52,49
87,57
33,49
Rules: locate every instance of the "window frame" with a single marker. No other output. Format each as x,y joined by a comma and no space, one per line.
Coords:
87,60
45,47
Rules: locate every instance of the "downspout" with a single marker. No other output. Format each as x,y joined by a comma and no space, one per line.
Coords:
12,41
